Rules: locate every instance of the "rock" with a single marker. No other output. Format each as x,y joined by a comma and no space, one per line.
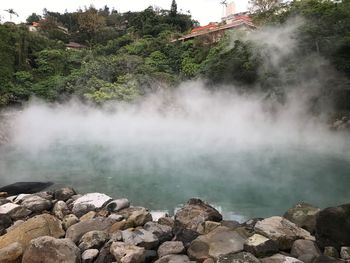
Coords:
333,227
303,215
14,211
186,236
140,237
76,231
170,247
260,246
279,258
41,225
122,225
194,213
25,187
15,224
207,226
331,252
220,241
151,256
168,221
116,217
105,254
89,202
87,216
51,250
3,194
11,253
325,259
46,195
36,203
230,224
162,232
4,201
69,220
64,193
5,222
242,257
345,253
209,260
174,259
93,239
60,210
282,231
117,205
125,253
140,217
89,255
304,247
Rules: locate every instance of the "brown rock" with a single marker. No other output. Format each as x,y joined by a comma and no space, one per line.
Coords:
11,253
124,253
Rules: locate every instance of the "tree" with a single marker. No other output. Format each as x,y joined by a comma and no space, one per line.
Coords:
33,18
263,5
11,12
173,8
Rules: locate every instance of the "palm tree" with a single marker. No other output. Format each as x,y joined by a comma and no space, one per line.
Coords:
11,12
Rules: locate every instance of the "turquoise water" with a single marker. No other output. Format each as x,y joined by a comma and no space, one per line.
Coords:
243,182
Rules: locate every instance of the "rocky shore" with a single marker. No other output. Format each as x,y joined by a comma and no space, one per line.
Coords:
63,226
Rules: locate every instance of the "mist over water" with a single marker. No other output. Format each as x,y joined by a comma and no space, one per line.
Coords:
245,153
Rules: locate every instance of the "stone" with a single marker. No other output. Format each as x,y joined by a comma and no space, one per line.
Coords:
117,205
279,258
260,246
88,215
333,227
93,239
4,201
3,194
122,225
173,259
151,256
14,211
41,225
15,224
140,217
89,202
25,187
207,226
60,210
64,193
303,215
105,254
76,231
5,222
220,241
345,253
305,247
282,231
170,247
325,259
168,221
89,255
69,220
125,253
241,257
194,213
11,253
51,250
230,224
116,217
140,237
186,236
162,232
46,195
331,252
209,260
36,203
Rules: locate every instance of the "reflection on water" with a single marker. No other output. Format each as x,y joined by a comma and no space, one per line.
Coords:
256,182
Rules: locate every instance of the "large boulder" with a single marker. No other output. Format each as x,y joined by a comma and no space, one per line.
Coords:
333,227
220,241
51,250
11,253
76,231
41,225
140,237
173,259
88,256
36,203
303,215
241,257
260,246
93,239
162,232
279,258
15,211
170,247
194,213
5,222
89,202
282,231
64,193
138,216
60,210
125,253
305,250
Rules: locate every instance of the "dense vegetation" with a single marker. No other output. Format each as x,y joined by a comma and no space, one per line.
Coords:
131,54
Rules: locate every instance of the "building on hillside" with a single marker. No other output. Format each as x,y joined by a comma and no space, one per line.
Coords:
35,26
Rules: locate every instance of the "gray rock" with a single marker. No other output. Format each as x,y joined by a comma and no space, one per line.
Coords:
325,259
207,226
105,254
242,257
60,210
116,217
170,247
139,216
168,221
4,201
345,253
89,202
305,247
36,203
125,253
174,259
194,213
282,231
186,236
76,231
331,252
260,246
279,258
117,205
51,250
220,241
15,224
140,237
89,255
162,232
64,193
15,211
11,253
303,215
93,239
69,220
5,222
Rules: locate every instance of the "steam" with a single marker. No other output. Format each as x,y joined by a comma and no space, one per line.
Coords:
188,142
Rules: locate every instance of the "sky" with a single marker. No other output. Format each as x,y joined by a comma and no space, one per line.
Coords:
204,11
